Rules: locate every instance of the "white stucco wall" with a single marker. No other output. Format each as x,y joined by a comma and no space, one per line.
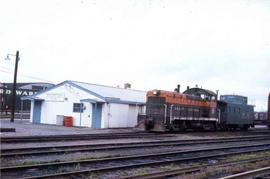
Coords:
122,115
105,115
59,101
31,111
87,115
118,115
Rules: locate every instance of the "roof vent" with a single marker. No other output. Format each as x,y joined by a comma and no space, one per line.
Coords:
127,85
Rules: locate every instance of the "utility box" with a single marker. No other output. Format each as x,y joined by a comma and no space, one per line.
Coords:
60,120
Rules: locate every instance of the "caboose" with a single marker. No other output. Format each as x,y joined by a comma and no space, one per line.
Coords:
235,112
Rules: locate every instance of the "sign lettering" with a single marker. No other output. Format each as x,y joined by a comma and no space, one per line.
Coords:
19,92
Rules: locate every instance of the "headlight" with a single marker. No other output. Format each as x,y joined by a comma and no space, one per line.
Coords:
155,92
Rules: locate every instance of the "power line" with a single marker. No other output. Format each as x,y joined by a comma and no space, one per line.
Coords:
26,76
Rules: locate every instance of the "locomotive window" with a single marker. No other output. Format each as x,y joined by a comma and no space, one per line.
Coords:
203,96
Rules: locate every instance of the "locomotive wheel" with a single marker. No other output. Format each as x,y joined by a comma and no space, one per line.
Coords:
149,125
178,127
245,128
174,127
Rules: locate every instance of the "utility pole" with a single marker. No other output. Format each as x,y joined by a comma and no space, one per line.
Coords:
3,99
14,88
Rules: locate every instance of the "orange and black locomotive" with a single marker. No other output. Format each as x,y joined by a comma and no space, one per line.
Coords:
176,111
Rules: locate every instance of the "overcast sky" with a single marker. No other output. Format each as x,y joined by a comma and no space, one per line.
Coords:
152,44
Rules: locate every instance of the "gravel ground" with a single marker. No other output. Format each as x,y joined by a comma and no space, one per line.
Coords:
79,142
26,128
85,166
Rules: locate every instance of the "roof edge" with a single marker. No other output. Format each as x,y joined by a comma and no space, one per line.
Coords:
107,86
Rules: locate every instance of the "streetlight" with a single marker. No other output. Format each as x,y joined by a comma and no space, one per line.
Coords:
14,84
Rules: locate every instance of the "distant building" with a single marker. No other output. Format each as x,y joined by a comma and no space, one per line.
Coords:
260,118
89,105
22,89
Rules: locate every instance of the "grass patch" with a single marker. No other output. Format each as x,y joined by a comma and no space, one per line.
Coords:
32,162
143,171
247,156
219,171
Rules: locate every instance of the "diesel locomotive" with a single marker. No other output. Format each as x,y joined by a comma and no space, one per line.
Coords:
195,108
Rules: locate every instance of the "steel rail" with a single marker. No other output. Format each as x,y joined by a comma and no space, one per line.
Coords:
207,139
164,141
186,170
78,137
249,174
106,160
116,146
93,136
127,166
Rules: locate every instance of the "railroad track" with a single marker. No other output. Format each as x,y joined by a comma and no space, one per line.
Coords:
136,134
258,173
118,163
118,146
188,170
46,138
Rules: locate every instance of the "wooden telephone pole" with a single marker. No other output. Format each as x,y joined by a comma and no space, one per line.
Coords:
14,88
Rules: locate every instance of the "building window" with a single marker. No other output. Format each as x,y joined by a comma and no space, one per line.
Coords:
77,107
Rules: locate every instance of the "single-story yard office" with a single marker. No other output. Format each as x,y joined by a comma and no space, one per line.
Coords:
90,105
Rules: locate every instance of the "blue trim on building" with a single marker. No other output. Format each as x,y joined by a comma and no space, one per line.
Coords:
96,113
119,101
126,102
91,101
31,98
36,111
108,99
